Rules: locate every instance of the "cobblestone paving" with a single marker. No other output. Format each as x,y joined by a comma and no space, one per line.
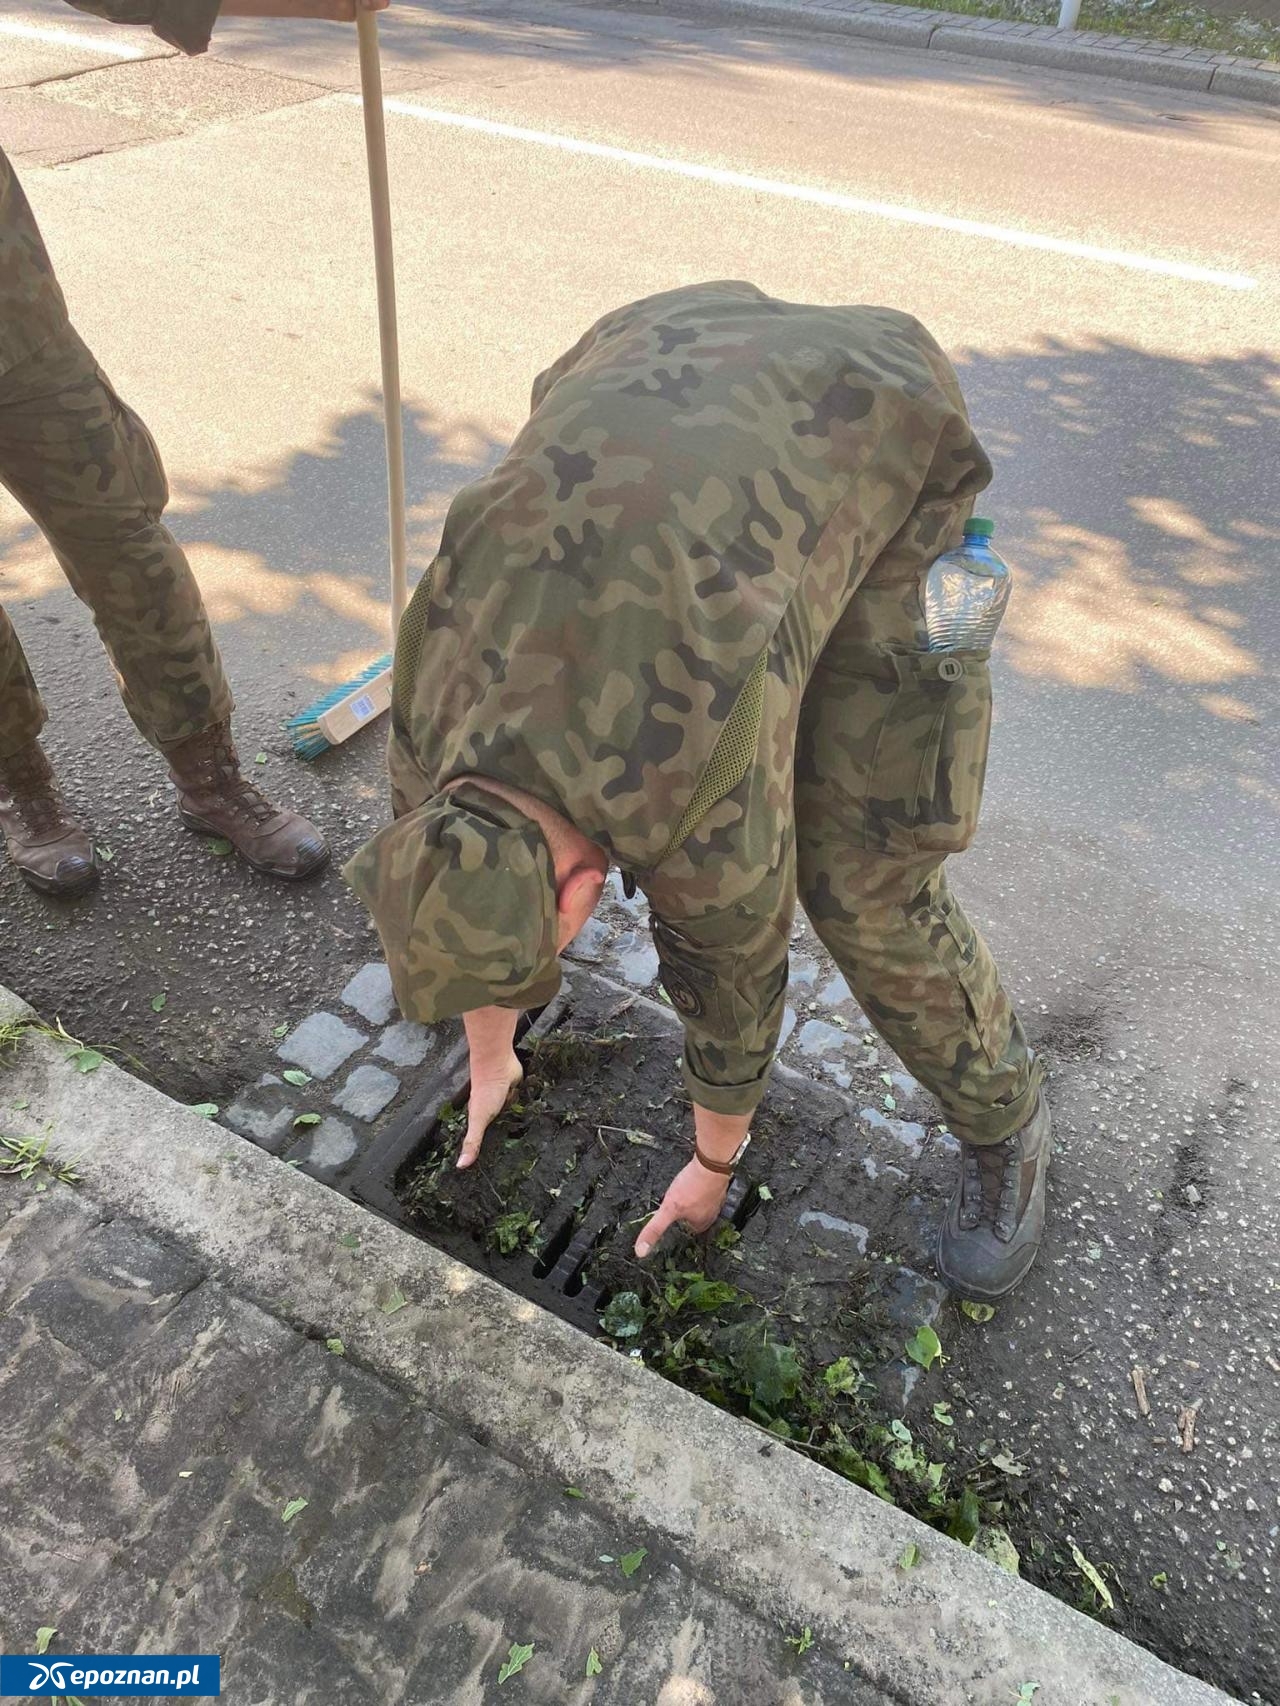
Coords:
347,1068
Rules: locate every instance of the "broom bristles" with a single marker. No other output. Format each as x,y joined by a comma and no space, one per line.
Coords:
308,740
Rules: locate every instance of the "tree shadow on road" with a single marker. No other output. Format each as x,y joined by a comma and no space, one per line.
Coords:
1104,450
1135,494
441,43
1136,497
313,538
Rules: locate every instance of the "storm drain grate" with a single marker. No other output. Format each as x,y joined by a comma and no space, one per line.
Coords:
553,1210
561,1269
584,1230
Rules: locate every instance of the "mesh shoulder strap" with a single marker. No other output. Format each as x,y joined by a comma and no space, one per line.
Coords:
413,627
730,758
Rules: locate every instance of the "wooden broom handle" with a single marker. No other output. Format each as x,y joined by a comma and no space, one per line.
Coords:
375,142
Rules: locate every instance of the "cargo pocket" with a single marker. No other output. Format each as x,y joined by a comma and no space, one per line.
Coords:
703,979
956,943
692,984
913,747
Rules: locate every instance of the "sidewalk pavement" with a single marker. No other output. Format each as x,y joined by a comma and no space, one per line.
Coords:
197,1337
1134,59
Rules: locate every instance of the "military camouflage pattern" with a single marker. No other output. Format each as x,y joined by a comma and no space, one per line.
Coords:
87,471
707,476
600,599
32,309
868,860
462,891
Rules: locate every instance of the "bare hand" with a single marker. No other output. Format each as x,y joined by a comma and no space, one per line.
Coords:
342,11
489,1096
695,1196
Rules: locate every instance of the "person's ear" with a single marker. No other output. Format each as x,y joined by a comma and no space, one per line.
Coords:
576,899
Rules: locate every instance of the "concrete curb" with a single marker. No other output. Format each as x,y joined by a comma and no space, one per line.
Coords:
768,1528
1133,59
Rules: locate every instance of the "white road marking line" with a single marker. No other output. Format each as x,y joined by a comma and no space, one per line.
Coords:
73,38
1187,270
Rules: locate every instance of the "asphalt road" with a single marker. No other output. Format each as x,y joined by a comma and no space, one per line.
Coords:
1103,265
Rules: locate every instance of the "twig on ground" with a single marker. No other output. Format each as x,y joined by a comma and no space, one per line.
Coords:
1187,1427
1140,1387
482,1178
644,1138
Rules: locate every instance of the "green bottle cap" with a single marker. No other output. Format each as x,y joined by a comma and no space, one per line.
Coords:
979,525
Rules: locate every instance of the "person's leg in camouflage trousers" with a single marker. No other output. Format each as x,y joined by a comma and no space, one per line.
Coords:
87,471
889,769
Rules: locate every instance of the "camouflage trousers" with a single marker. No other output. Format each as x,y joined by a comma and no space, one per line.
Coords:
87,472
876,819
869,774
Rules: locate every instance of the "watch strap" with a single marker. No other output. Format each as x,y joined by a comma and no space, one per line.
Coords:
725,1167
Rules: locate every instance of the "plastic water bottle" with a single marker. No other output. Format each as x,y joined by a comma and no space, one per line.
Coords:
965,592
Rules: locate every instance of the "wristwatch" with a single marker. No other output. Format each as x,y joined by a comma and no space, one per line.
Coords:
726,1167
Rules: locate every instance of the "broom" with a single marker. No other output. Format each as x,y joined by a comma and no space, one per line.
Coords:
348,708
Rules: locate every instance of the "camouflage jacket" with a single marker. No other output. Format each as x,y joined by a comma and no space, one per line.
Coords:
32,309
704,479
600,599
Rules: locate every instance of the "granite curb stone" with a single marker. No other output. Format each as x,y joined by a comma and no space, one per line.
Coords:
1135,59
367,1092
1056,55
326,1149
260,1114
267,1109
405,1044
1248,80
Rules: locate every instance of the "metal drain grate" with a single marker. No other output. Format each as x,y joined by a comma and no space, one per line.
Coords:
572,1297
578,1233
561,1268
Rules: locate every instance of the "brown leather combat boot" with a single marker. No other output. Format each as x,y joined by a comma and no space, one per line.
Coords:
45,842
214,798
995,1220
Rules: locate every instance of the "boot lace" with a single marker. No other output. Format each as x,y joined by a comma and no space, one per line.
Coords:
35,797
991,1179
215,769
248,801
